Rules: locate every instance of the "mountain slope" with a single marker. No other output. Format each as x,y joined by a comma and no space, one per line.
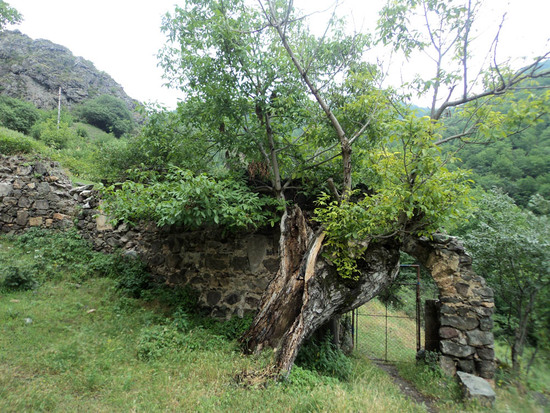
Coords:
33,70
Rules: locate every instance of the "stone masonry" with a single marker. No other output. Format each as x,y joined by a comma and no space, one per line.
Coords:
466,341
230,271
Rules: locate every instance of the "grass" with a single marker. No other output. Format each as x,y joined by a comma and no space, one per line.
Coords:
401,333
81,157
75,343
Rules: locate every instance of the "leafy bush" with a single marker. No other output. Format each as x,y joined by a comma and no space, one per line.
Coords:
324,358
107,113
82,131
18,115
180,299
179,197
54,135
131,275
230,329
12,142
55,253
154,341
164,140
19,278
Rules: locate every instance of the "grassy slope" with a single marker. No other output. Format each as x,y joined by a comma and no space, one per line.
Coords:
80,158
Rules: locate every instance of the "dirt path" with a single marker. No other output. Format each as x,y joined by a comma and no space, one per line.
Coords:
406,387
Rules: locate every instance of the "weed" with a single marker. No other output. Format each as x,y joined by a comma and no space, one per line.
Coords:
19,278
155,341
324,358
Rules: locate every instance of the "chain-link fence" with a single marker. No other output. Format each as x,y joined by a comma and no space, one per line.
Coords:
391,330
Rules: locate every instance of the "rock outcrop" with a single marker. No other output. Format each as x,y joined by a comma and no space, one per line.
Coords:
33,70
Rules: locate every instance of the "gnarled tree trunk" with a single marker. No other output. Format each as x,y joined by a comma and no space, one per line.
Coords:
307,291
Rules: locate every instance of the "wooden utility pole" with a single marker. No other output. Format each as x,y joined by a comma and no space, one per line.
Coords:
58,107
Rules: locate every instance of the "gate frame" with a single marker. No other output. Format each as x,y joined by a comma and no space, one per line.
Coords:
417,318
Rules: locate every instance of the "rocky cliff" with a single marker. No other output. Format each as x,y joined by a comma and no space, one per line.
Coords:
33,70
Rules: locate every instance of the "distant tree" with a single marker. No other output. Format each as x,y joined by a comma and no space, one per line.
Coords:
108,114
18,115
8,15
163,141
511,249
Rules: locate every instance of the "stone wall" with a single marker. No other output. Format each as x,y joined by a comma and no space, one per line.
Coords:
230,271
466,306
33,194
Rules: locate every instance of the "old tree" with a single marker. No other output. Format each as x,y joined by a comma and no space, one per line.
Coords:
354,175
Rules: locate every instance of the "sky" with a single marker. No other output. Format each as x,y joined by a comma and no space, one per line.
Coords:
122,37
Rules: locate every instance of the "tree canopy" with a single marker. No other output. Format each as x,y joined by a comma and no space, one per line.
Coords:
295,112
8,15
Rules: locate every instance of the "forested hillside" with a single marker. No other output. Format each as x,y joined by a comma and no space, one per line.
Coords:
518,163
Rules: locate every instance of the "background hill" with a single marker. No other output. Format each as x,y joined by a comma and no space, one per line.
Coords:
33,70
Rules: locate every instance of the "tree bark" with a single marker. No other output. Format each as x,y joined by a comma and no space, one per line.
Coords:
307,291
520,335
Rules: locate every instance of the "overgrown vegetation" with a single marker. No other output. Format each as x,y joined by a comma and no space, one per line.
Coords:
108,113
18,115
79,342
180,197
248,129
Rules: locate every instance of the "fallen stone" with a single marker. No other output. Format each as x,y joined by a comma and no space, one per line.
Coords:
448,365
476,388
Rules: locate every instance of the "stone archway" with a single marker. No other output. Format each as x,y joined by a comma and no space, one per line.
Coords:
466,340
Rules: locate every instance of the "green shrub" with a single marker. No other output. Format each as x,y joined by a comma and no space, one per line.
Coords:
177,299
19,278
324,358
53,135
303,378
12,142
56,253
108,114
18,115
230,329
155,341
131,275
82,131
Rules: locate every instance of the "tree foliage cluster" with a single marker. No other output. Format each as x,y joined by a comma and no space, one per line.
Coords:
181,197
18,115
8,15
305,112
108,113
519,164
511,249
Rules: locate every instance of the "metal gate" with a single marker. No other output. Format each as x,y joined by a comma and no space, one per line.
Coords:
386,331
